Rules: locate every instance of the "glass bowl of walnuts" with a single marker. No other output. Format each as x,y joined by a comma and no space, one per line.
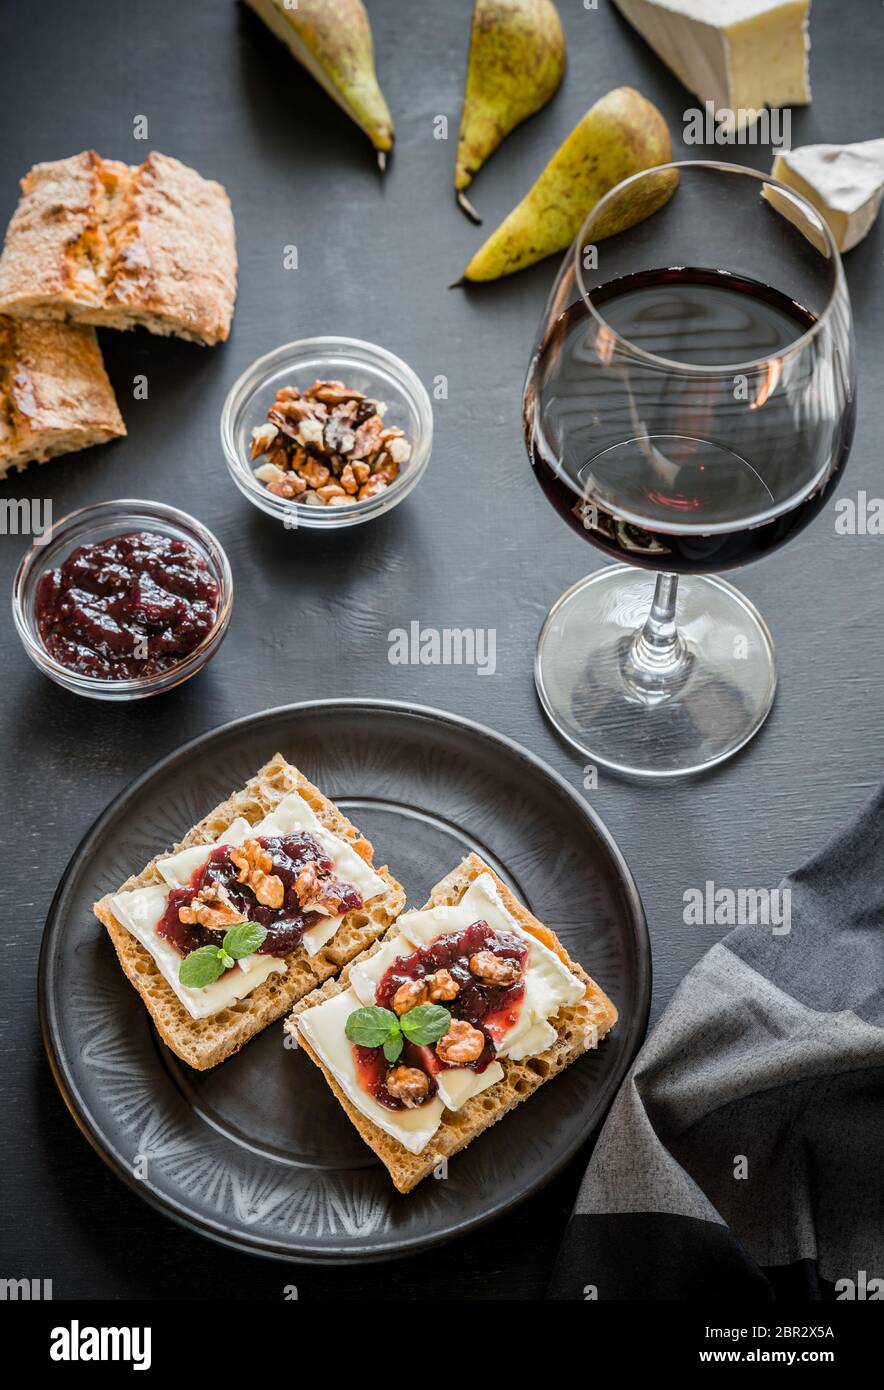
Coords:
327,432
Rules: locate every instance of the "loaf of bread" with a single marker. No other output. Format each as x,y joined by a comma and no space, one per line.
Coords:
54,393
579,1027
111,244
205,1042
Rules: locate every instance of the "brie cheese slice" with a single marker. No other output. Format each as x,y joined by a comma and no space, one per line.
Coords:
741,55
456,1085
314,938
293,813
529,1043
549,984
140,912
844,183
178,869
323,1027
365,975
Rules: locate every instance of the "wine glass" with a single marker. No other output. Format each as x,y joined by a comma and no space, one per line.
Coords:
689,406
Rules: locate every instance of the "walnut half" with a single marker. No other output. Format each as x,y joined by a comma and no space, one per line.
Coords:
495,970
461,1044
409,1085
210,910
254,866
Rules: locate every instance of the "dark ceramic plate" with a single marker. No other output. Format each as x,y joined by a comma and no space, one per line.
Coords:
257,1154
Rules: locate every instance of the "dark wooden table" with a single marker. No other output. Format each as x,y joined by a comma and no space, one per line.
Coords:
476,545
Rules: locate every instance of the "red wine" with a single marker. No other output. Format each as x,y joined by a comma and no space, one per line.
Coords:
683,426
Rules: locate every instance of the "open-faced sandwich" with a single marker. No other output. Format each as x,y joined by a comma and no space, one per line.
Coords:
465,1008
267,897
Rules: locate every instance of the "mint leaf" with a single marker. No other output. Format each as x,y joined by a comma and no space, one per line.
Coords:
425,1024
201,967
393,1048
372,1027
243,940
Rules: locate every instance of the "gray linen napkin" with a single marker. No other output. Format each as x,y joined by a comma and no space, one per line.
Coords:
744,1154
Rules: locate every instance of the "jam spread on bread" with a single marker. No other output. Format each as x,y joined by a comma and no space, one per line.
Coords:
478,975
128,607
277,881
373,1070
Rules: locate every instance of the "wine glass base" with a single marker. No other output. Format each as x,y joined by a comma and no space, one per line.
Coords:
681,723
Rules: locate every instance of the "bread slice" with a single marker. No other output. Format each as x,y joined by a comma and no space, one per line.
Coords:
579,1026
54,393
203,1043
108,243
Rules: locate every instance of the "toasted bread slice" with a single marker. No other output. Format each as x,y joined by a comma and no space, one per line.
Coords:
108,243
54,393
205,1042
579,1027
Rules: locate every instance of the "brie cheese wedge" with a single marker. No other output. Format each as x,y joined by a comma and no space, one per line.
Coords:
741,55
844,183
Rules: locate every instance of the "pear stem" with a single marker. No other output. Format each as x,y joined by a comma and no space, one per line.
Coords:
468,208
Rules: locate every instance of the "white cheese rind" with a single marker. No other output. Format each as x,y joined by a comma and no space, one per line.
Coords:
845,184
141,910
457,1085
314,938
533,1040
178,869
364,975
741,55
323,1027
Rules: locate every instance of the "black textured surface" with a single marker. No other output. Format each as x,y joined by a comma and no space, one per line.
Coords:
475,545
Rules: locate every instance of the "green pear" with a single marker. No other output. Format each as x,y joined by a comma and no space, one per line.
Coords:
517,60
332,38
622,134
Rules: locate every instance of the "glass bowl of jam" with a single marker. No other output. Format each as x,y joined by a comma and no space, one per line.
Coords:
327,432
123,599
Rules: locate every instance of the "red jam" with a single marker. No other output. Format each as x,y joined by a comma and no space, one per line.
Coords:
284,925
372,1069
493,1009
127,608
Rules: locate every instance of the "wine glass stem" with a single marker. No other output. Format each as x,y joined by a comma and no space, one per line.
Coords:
657,654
